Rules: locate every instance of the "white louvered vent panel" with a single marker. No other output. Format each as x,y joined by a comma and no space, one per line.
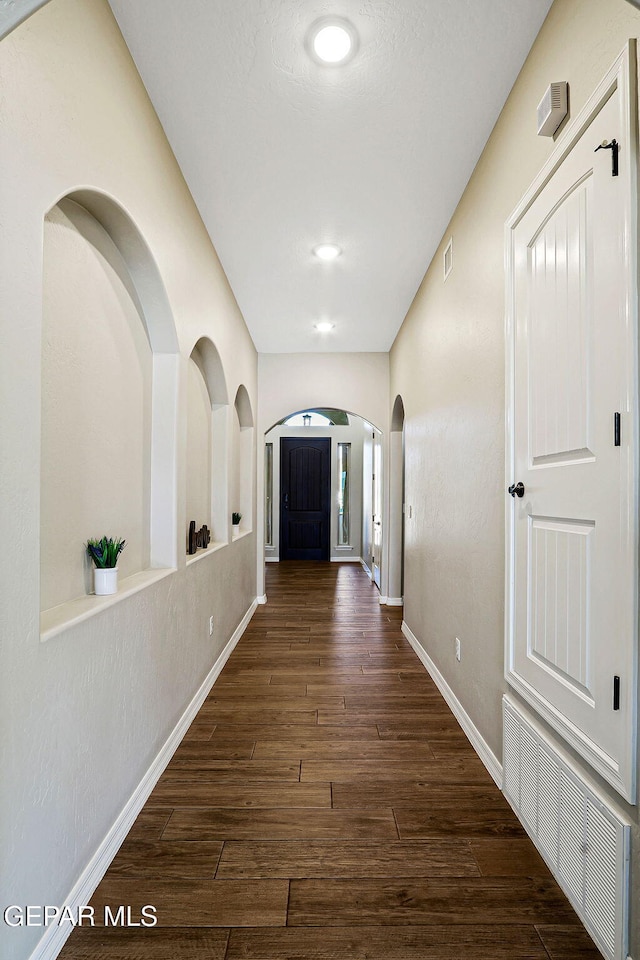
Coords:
548,804
571,847
511,765
529,778
580,835
601,870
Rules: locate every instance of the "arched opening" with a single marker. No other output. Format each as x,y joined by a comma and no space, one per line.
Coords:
396,504
140,264
333,507
106,463
207,402
242,461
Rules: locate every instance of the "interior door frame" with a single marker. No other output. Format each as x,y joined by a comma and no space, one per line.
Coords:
622,78
377,500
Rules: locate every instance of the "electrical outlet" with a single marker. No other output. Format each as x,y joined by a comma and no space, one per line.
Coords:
211,627
457,649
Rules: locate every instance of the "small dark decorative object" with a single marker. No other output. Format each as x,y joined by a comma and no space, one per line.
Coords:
198,539
236,518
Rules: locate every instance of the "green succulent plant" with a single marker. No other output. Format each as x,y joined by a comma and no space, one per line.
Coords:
105,552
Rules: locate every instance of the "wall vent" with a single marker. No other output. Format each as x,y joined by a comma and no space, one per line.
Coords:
448,258
583,839
552,109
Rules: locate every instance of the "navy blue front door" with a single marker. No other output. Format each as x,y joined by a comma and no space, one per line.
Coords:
305,493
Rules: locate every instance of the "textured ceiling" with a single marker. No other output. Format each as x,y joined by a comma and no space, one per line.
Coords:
281,153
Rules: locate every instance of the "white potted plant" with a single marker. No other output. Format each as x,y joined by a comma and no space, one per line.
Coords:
105,553
235,523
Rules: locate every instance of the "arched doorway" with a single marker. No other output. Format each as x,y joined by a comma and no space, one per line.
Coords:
293,455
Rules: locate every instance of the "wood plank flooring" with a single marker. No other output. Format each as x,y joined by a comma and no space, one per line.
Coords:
325,805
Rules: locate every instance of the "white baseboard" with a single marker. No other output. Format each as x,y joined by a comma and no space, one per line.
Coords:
476,739
333,560
395,602
54,938
262,599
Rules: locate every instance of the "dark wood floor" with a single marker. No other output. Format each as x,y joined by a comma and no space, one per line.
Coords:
325,805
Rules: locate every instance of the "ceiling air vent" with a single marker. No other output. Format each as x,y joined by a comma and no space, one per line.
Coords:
552,109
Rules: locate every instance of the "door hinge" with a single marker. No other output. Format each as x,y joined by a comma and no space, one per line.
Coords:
616,693
616,429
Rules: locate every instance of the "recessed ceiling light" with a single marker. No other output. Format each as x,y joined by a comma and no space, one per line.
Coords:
332,40
324,326
332,43
327,251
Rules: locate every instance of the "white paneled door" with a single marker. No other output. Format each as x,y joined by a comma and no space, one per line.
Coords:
572,571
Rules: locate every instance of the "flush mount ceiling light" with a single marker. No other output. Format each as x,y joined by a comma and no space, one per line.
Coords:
327,251
332,40
324,326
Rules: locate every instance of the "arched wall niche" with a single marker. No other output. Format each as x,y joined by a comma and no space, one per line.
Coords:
109,387
243,407
140,263
242,459
397,415
207,448
206,356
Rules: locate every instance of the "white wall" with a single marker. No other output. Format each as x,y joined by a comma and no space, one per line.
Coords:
341,434
355,382
448,364
84,713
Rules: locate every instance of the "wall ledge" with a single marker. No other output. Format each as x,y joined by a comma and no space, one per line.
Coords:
241,535
58,619
212,548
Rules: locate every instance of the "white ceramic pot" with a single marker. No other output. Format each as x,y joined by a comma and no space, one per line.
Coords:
235,529
105,581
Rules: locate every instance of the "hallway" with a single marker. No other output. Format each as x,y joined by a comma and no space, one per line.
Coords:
325,805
